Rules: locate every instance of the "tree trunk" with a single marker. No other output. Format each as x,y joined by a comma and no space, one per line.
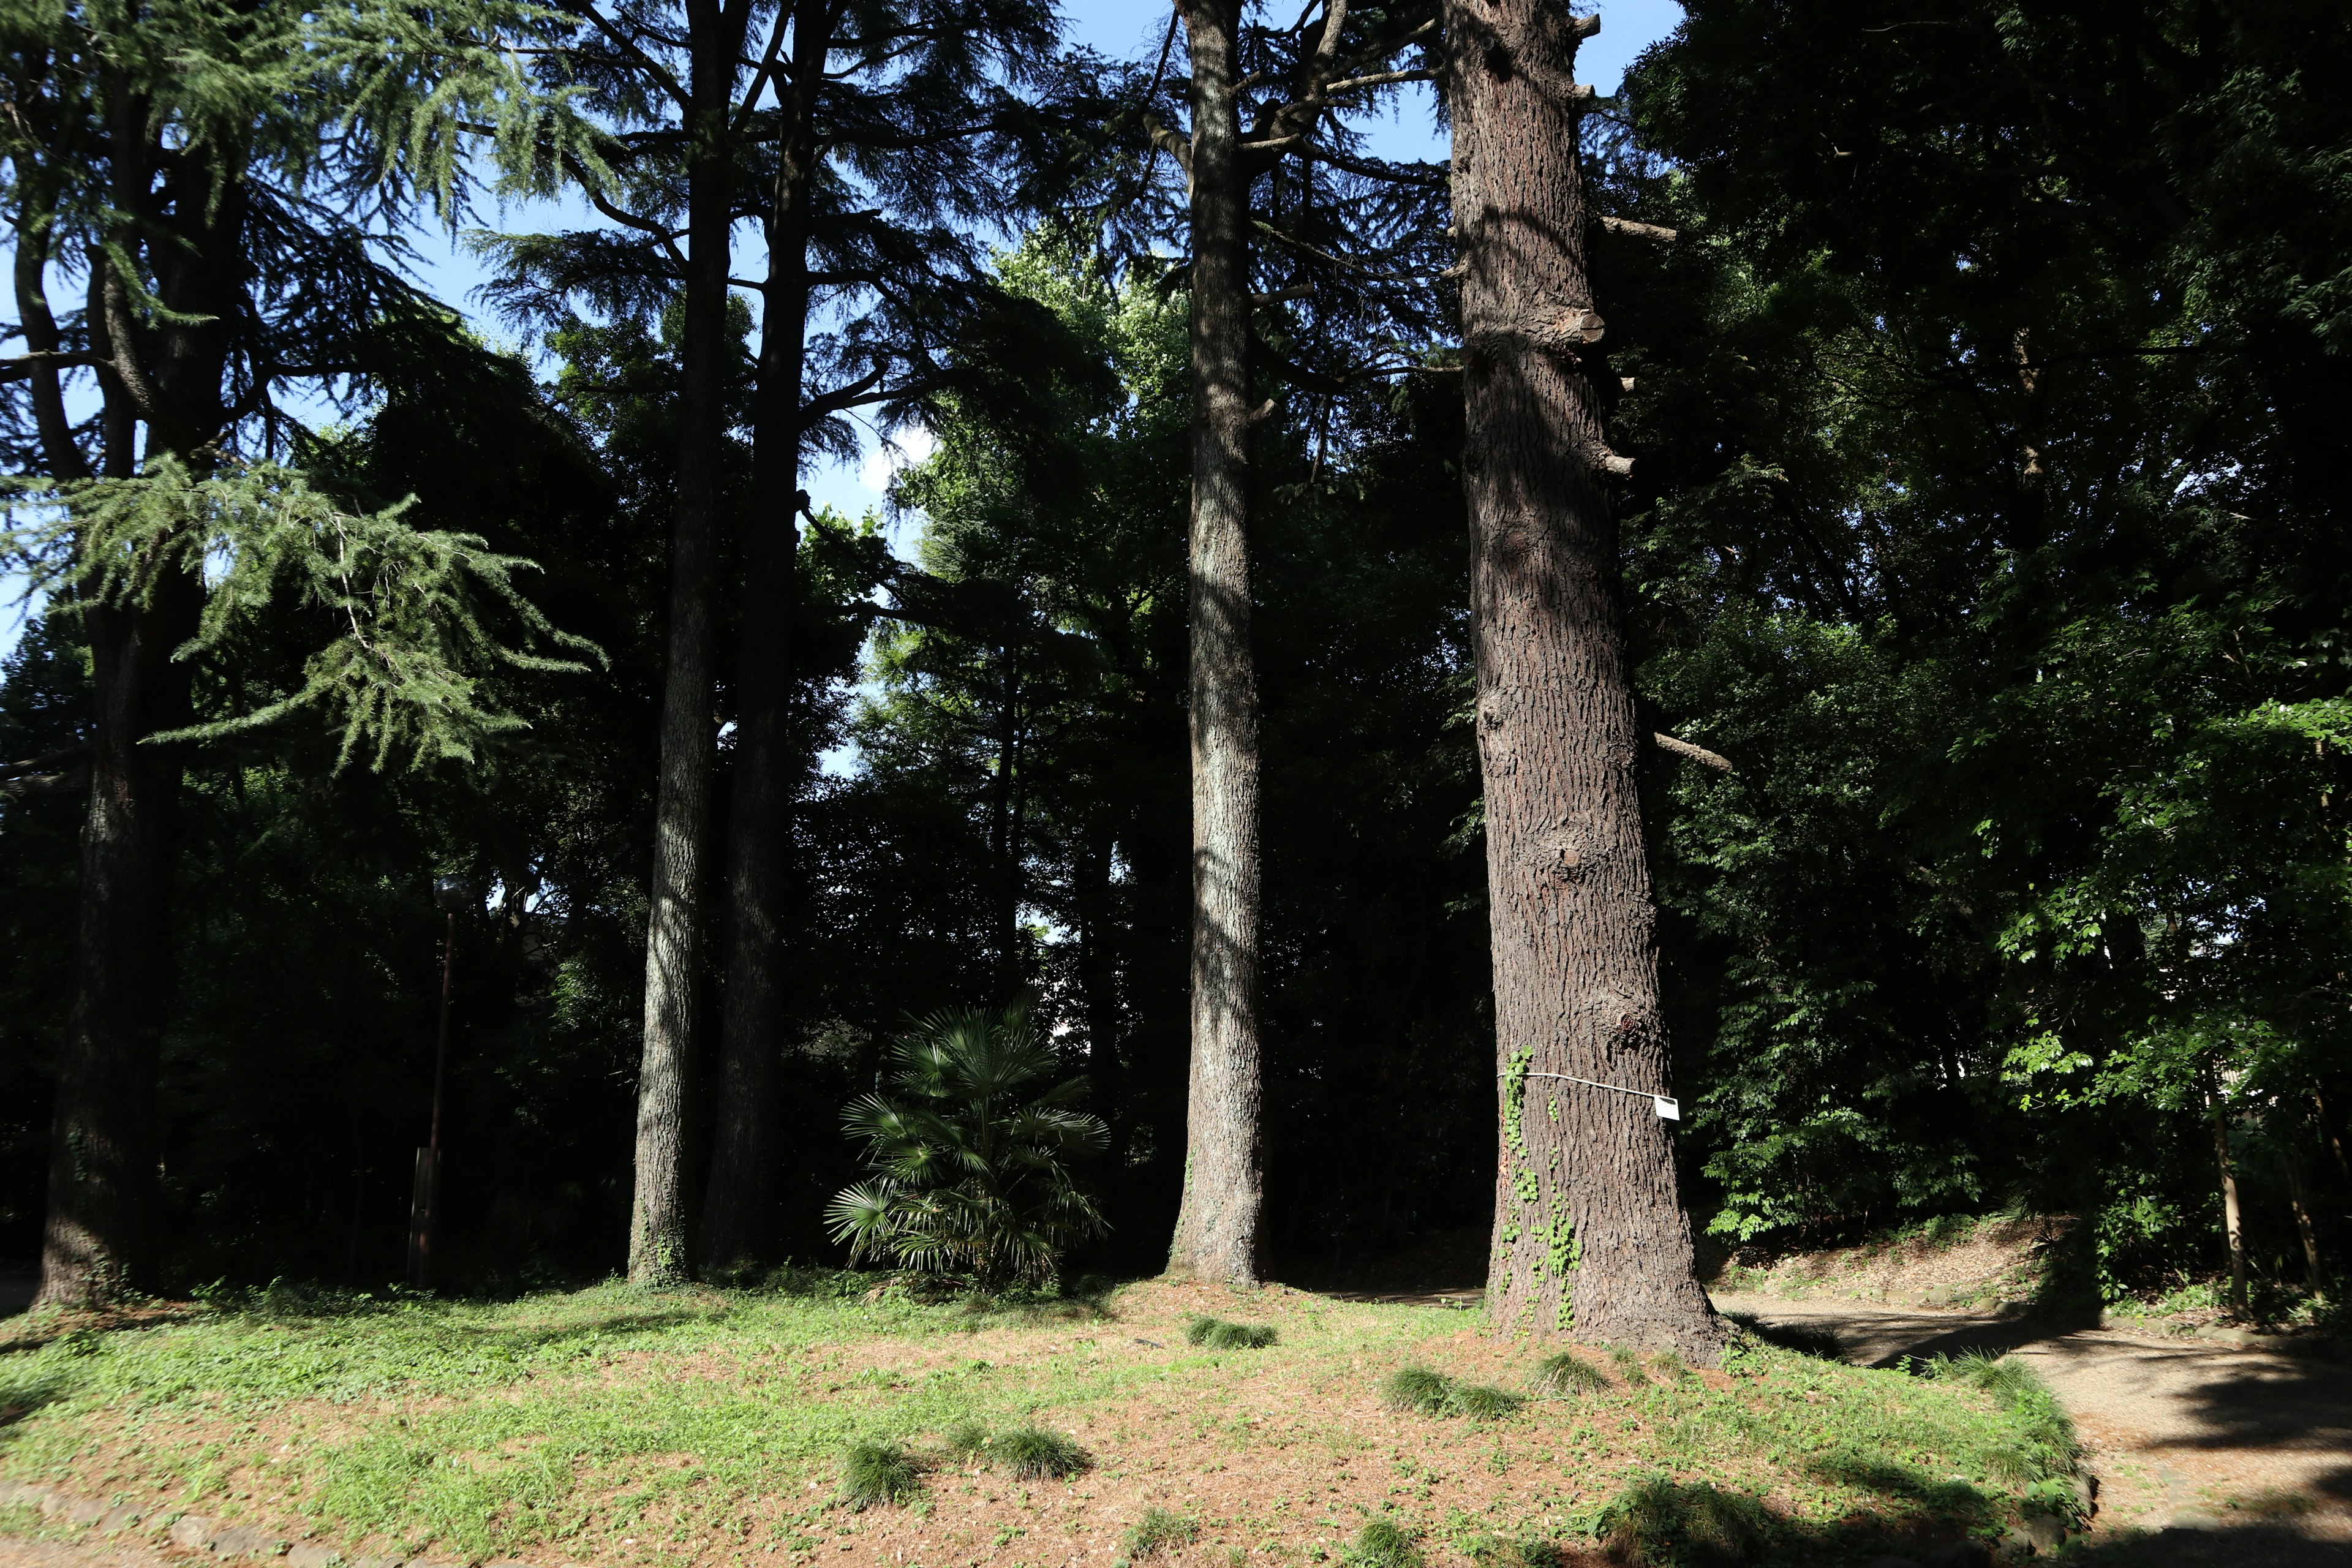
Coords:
1217,1225
2231,1232
657,1214
2304,1228
1099,981
99,1237
1589,1234
739,1221
2327,1134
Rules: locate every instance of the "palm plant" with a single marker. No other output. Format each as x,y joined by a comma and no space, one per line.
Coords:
972,1144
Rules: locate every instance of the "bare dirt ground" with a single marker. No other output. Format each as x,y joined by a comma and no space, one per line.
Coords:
2204,1454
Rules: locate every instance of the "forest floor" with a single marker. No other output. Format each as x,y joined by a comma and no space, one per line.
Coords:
695,1429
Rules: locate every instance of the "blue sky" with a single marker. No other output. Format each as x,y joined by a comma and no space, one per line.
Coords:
1114,27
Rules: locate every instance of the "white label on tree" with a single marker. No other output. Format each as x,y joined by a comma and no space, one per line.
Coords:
1671,1110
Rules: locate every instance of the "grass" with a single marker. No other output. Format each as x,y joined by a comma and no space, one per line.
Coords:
1660,1523
1421,1392
1384,1543
1033,1454
1628,1362
1217,1334
1805,1338
1568,1373
750,1428
873,1474
1156,1532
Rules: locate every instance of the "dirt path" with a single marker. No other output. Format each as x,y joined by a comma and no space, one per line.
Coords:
2204,1454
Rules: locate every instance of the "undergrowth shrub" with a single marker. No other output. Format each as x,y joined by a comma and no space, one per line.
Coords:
1033,1454
1217,1334
873,1474
1659,1523
1383,1544
1156,1532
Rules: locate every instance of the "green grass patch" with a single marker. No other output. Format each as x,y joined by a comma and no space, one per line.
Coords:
1418,1391
1568,1373
1628,1362
1384,1543
873,1474
1217,1334
1660,1523
1033,1454
1155,1532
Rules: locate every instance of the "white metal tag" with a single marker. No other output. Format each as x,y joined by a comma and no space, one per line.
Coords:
1671,1110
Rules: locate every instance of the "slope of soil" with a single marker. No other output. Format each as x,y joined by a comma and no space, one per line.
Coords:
706,1427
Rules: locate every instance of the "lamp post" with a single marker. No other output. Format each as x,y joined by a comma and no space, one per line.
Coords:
453,896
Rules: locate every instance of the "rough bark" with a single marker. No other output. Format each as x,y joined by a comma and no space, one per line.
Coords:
739,1220
658,1219
1588,1236
1217,1227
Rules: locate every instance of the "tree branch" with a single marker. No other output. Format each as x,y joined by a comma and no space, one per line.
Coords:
1699,755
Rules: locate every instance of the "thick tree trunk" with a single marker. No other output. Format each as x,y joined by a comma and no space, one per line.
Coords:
658,1213
1589,1237
738,1221
99,1237
98,1241
1217,1227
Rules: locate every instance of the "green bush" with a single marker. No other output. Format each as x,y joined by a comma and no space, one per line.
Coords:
971,1153
1156,1531
1568,1373
1383,1544
877,1473
1216,1334
1033,1454
1659,1523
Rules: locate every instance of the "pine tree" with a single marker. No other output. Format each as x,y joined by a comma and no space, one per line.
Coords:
205,173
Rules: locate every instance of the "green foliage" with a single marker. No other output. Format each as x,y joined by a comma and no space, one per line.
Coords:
1156,1532
1217,1334
966,1440
407,610
1567,1372
1482,1402
1382,1542
873,1474
1628,1362
1660,1523
1033,1454
2049,1448
973,1156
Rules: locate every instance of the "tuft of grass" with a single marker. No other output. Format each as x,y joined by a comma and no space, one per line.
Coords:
1628,1362
1033,1454
1417,1390
1670,1365
1384,1543
966,1440
1568,1373
1659,1523
1156,1532
1510,1551
873,1474
1481,1403
1217,1334
1421,1392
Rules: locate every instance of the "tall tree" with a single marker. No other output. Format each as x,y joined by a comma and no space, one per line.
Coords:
230,245
897,133
1590,1232
1303,73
